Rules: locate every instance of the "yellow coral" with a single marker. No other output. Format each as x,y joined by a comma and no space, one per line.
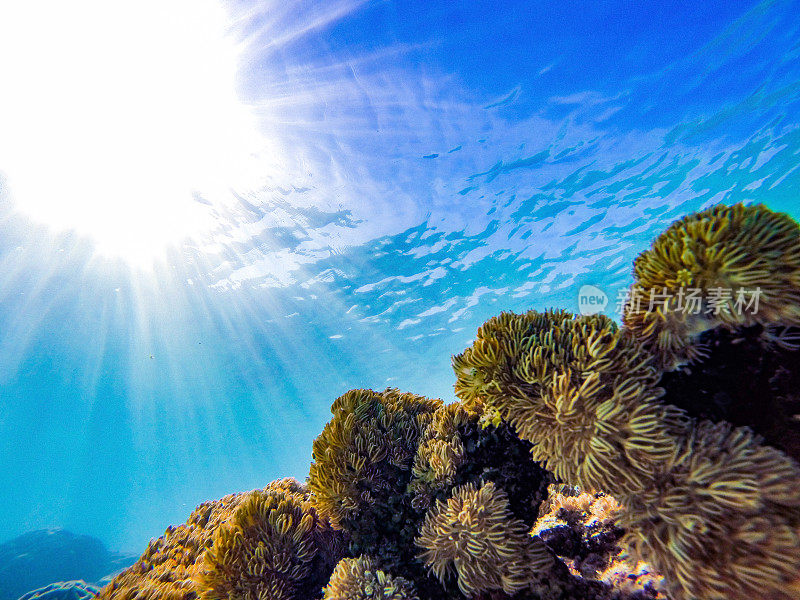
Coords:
582,392
737,250
440,452
591,508
709,506
361,452
269,549
359,579
724,521
167,568
474,536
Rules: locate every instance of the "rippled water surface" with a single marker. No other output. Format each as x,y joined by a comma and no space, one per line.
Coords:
422,168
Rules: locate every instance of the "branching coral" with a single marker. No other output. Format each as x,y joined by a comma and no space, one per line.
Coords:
474,537
582,392
271,548
726,254
359,579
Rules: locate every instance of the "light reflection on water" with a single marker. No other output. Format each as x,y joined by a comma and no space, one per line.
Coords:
413,206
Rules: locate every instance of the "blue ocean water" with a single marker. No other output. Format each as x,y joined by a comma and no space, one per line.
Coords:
443,162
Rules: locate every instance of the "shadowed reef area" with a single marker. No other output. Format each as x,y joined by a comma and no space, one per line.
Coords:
582,460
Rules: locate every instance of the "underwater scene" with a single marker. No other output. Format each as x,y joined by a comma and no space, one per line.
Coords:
401,300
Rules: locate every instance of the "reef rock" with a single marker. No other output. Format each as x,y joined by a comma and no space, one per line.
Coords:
63,590
41,557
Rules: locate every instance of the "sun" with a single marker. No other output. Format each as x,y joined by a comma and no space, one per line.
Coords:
122,120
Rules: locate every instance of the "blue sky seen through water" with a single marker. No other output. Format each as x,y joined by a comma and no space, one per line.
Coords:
430,164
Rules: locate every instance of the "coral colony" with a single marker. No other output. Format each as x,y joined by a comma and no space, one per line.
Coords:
582,460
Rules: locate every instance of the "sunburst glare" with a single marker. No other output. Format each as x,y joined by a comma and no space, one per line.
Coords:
122,121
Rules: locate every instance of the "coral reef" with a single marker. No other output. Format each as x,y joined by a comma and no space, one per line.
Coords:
169,564
273,546
709,505
267,543
474,537
581,527
581,391
63,590
702,272
583,461
359,579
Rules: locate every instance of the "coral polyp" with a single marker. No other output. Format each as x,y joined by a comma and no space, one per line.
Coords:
474,538
359,579
273,546
725,266
581,391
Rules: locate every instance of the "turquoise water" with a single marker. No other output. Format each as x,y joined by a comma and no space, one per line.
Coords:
439,165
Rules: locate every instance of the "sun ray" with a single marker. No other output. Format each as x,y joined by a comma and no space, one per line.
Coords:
123,123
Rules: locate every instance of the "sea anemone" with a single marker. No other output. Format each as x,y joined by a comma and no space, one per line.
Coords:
269,548
365,453
474,537
362,463
359,579
581,391
725,266
723,522
167,568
